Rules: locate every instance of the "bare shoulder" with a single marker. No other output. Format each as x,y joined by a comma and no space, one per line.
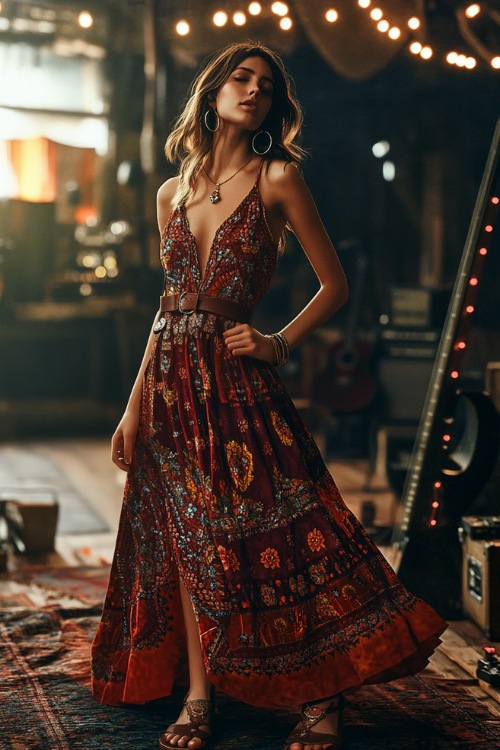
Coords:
279,178
164,200
167,191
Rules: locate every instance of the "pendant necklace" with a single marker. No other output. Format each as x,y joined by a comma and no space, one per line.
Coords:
215,194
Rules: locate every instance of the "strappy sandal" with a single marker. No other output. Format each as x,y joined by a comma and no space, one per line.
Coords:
311,714
200,712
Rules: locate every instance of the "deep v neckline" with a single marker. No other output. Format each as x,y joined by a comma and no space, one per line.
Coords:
221,227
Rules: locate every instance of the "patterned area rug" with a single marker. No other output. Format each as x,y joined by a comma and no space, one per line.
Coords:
45,703
26,474
39,586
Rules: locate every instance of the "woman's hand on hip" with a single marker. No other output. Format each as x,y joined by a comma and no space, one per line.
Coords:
123,440
243,339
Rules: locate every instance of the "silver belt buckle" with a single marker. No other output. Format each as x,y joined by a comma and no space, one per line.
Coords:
179,305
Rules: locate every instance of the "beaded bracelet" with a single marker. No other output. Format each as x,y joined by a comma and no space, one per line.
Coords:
280,348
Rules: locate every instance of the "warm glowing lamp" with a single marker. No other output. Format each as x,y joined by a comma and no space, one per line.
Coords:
331,15
239,18
182,28
220,18
85,19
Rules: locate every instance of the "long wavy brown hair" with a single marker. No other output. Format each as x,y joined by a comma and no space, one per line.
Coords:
190,141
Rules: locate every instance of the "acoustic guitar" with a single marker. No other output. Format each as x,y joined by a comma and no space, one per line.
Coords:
457,440
346,384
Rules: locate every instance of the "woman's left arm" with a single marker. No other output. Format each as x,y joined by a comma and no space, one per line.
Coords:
299,211
289,201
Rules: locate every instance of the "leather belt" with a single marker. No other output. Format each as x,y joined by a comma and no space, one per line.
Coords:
188,302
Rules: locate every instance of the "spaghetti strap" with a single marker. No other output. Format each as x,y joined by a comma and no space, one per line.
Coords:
259,172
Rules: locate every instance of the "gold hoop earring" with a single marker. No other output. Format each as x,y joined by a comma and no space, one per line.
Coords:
262,132
217,120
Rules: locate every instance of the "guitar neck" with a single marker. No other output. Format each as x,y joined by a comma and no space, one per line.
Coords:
430,450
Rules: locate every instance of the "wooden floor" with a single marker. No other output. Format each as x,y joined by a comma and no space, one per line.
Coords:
86,462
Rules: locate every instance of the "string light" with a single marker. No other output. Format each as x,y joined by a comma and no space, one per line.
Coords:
469,309
495,200
454,374
331,15
254,9
474,281
380,149
425,50
239,18
436,504
473,10
388,171
461,61
85,19
220,18
279,9
483,251
182,28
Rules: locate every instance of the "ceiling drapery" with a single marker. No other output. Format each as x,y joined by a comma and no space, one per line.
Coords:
352,45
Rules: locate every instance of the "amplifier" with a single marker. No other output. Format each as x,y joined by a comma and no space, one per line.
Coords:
481,574
419,307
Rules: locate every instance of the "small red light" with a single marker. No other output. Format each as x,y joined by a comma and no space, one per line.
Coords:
433,522
495,200
483,251
437,484
469,309
446,438
435,504
460,345
474,281
454,374
488,228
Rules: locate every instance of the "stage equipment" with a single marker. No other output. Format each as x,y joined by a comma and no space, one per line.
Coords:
488,668
480,537
455,451
346,384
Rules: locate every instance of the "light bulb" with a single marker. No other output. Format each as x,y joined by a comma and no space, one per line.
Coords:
182,28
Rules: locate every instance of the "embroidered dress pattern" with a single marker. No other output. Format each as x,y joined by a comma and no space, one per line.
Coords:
228,490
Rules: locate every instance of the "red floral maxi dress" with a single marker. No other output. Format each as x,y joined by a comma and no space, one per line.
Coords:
228,489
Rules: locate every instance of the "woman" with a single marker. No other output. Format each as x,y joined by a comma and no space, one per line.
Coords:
234,545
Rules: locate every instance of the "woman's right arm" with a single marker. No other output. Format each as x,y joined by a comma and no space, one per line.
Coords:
123,440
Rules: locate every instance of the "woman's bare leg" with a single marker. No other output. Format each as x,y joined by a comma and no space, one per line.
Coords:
199,686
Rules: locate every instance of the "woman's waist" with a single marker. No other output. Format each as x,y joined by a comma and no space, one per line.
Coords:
187,303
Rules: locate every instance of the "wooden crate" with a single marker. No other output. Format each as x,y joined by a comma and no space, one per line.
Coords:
481,584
